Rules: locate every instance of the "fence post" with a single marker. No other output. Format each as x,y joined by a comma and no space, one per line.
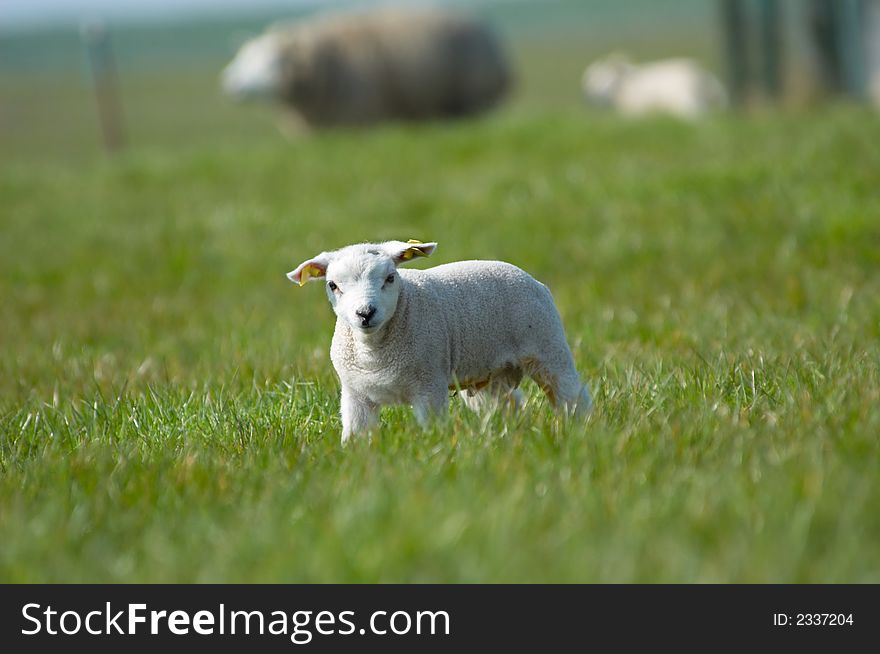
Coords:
733,24
96,39
852,45
771,48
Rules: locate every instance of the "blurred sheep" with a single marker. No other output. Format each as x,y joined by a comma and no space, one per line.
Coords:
362,68
680,87
872,28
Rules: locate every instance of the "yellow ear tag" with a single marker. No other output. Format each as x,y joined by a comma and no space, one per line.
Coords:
413,251
307,272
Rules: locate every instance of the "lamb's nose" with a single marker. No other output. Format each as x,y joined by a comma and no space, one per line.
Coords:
365,314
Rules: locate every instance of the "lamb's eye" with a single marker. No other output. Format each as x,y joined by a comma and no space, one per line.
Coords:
389,279
332,286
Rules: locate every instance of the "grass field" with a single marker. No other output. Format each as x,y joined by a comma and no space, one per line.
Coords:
168,411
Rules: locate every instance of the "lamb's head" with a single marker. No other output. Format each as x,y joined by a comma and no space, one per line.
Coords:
361,280
601,79
256,70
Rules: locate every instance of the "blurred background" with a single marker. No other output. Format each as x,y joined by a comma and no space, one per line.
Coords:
168,55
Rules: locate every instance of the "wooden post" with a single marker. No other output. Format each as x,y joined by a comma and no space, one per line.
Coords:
825,36
771,48
96,39
733,25
850,40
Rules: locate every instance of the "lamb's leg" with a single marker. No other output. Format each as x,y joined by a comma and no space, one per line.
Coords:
487,400
431,406
500,393
359,414
559,379
583,400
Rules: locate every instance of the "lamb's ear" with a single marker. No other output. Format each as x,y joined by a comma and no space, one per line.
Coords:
313,269
402,252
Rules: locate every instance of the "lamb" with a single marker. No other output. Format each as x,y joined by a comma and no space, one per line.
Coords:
679,87
361,68
410,336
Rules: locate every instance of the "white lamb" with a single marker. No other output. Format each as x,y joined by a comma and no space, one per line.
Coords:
411,336
679,87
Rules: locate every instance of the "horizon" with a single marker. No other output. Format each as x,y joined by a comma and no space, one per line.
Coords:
29,15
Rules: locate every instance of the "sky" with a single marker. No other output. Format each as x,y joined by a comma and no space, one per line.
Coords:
21,13
16,14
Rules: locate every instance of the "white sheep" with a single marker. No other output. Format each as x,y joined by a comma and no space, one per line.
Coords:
365,67
679,87
411,336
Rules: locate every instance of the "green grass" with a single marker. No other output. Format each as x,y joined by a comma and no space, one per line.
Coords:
168,411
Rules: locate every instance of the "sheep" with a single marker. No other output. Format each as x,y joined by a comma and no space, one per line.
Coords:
411,336
680,87
872,44
361,68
